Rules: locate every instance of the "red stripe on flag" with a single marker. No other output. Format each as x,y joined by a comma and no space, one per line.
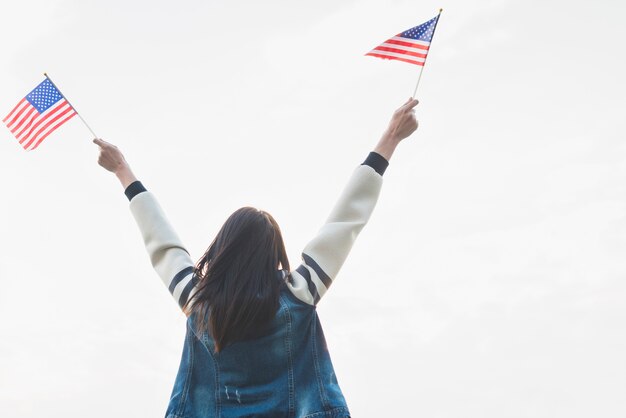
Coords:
399,51
28,125
14,109
395,58
403,43
30,112
44,117
53,129
50,122
17,115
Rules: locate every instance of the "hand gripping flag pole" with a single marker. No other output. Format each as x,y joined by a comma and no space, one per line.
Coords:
410,46
68,102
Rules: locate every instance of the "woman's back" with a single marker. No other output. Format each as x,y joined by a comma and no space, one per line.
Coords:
287,372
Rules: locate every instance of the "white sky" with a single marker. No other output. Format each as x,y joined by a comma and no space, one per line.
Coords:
490,281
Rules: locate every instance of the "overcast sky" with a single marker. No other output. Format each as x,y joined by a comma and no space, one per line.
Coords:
491,279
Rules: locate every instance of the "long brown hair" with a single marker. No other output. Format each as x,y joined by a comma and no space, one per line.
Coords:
238,283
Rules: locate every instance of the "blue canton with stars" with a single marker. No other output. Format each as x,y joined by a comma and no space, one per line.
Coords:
423,32
44,96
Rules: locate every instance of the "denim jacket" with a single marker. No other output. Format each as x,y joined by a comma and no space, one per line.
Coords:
286,372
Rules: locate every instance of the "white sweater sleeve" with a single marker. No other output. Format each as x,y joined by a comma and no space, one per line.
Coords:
167,254
324,255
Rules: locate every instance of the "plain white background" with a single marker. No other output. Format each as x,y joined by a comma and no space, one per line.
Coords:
490,279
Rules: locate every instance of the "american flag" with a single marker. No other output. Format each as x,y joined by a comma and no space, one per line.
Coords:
409,46
38,114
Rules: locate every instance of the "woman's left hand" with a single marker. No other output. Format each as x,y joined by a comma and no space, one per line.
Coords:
112,159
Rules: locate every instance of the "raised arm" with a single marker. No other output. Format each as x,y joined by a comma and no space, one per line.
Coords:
167,254
324,255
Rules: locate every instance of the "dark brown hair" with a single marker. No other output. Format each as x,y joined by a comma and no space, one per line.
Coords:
238,282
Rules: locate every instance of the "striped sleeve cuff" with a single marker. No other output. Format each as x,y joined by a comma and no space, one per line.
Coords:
134,189
377,162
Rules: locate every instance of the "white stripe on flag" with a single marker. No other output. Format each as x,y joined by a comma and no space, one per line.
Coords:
413,41
52,127
9,119
27,121
46,123
397,55
405,48
40,120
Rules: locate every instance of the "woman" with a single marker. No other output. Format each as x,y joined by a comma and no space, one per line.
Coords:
254,346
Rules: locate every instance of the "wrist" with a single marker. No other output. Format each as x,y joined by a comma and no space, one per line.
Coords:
386,146
390,136
125,176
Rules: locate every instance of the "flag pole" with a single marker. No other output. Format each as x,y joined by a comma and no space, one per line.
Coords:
418,81
422,67
68,102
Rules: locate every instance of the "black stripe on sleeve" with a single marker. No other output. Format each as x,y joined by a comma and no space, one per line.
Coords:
185,294
179,277
134,189
377,162
318,270
307,276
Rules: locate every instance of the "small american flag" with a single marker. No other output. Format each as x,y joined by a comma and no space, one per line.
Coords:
409,46
38,114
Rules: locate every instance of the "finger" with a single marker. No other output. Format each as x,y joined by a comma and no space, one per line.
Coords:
99,142
409,105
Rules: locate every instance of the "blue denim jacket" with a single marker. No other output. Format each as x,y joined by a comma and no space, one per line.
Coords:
286,373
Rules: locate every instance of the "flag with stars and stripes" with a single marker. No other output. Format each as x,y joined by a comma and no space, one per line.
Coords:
38,114
409,46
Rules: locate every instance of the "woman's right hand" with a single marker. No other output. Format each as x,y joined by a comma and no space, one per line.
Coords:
112,159
402,124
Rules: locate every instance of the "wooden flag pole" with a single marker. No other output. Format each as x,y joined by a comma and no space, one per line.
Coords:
422,69
418,81
68,102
